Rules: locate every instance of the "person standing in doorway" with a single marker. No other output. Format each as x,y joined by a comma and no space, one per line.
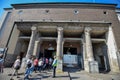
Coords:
54,64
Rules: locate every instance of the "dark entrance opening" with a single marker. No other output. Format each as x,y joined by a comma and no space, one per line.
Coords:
49,53
102,67
71,50
101,56
22,54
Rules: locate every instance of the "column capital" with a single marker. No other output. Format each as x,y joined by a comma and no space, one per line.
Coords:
88,29
60,29
33,28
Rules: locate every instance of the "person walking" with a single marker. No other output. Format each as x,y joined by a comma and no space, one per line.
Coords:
50,63
40,64
16,67
44,63
1,63
54,64
36,64
29,68
47,63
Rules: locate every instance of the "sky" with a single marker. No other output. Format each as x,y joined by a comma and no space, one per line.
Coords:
7,3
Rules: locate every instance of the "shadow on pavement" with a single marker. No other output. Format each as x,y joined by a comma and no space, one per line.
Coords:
71,69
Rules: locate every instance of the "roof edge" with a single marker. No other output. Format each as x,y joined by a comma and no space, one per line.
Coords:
61,3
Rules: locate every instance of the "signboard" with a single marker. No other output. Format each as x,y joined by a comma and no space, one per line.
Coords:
70,59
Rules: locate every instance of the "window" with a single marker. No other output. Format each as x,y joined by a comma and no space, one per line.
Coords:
76,11
104,12
46,11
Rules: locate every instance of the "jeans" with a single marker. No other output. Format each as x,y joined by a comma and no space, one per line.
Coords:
54,71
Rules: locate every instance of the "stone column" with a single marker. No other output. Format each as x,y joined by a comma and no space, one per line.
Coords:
86,66
82,54
62,48
112,50
59,53
31,43
90,65
36,48
89,49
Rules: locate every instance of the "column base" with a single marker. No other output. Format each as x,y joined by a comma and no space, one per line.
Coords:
23,65
86,66
59,66
115,66
59,71
93,67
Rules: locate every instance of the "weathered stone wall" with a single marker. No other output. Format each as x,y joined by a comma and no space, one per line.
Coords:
71,13
84,14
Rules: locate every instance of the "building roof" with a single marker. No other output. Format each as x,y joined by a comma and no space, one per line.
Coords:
61,5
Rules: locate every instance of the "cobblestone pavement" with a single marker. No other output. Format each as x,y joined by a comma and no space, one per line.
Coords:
68,74
76,74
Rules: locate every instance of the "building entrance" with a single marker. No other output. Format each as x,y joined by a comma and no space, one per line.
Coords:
70,57
69,50
101,56
49,53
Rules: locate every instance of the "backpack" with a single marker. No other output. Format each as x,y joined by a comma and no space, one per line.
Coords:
29,64
17,67
17,64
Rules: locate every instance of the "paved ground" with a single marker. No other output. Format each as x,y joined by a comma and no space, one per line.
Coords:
68,74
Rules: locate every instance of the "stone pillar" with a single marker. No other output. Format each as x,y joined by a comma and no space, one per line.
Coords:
36,48
112,51
82,54
31,43
86,66
59,53
90,64
62,48
89,49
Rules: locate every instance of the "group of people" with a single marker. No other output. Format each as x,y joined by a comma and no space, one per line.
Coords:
35,64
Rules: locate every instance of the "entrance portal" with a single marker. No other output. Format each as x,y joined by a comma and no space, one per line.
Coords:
101,56
49,53
69,50
70,57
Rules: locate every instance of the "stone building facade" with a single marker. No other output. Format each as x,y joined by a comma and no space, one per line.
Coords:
89,32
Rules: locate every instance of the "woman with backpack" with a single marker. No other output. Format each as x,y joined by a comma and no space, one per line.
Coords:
40,65
29,67
1,63
16,67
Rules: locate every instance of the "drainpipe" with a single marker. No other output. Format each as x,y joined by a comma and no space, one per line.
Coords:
6,47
